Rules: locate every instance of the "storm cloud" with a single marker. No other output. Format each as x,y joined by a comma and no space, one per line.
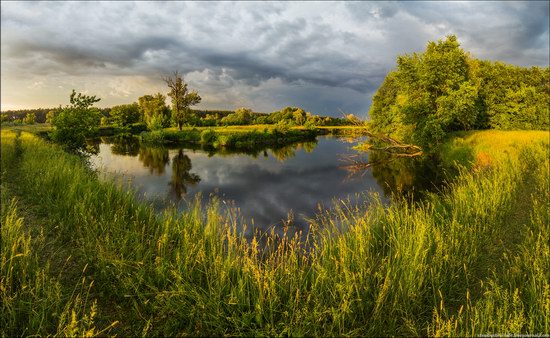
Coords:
323,56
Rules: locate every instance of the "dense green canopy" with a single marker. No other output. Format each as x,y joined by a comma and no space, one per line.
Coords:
445,89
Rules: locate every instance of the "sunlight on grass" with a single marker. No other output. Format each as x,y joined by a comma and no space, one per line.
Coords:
466,262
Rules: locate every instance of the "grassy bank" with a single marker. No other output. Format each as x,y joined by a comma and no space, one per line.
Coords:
235,138
474,260
244,137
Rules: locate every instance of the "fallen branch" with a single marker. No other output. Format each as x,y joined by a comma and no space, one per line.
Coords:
394,149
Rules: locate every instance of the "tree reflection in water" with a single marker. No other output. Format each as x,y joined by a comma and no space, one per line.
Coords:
124,145
181,176
154,158
411,178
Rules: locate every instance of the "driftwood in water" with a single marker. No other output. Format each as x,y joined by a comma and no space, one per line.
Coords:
393,148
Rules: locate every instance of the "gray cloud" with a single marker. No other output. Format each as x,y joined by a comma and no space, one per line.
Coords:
322,56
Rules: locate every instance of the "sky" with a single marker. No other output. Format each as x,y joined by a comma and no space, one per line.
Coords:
326,57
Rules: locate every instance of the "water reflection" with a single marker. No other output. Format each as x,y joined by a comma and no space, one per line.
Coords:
181,177
124,145
265,184
405,177
154,158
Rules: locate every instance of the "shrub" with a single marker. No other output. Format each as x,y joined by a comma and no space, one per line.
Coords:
153,137
30,118
209,136
76,122
136,128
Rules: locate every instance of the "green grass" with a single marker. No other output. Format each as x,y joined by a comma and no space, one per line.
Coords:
36,128
469,261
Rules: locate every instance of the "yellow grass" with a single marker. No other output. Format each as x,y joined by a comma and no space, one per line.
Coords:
480,148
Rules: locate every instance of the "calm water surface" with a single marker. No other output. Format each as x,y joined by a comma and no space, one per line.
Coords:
266,185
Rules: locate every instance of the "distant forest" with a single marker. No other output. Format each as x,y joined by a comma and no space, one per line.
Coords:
40,113
202,116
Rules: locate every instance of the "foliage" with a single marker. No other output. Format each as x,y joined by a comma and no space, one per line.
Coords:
125,114
245,138
50,116
30,118
76,122
242,116
209,136
299,117
182,99
444,89
153,111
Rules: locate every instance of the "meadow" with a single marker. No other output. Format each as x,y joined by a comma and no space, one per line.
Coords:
81,256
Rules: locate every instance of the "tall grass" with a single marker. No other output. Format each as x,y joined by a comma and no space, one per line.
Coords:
465,262
32,300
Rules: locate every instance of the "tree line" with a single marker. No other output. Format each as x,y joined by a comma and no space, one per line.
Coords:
445,89
153,111
79,120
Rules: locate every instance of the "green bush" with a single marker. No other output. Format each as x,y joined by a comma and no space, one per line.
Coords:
153,137
30,118
137,128
209,136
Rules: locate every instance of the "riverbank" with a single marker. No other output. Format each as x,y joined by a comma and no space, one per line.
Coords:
249,137
244,137
473,260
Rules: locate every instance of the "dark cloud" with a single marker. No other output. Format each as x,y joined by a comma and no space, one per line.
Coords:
322,55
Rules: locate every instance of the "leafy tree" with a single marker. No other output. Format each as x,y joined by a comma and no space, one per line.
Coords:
299,116
153,111
241,116
426,81
76,122
182,99
50,116
125,114
458,109
444,89
30,118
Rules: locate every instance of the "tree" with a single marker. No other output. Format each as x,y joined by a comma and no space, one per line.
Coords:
50,116
153,111
444,89
241,116
125,114
182,99
30,118
425,81
76,122
299,116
